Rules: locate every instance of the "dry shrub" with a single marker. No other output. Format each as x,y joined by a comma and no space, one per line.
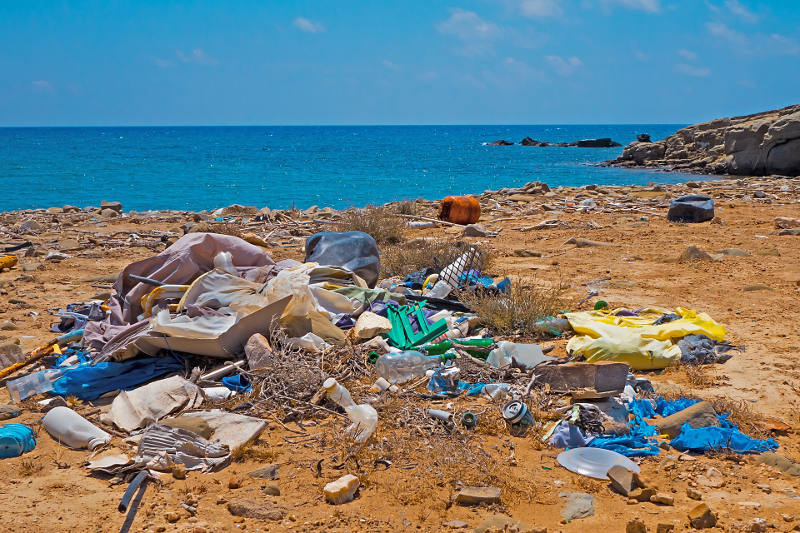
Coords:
222,228
28,467
382,223
402,259
518,310
405,207
698,376
741,414
257,450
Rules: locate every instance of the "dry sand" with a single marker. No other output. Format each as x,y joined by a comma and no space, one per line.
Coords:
755,296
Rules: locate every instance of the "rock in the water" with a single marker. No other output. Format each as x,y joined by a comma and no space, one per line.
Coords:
636,526
371,325
258,352
752,145
342,490
701,517
604,142
252,509
116,206
643,137
527,141
691,208
501,142
699,415
579,505
478,495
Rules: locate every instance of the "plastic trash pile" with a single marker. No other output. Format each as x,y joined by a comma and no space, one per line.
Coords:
212,318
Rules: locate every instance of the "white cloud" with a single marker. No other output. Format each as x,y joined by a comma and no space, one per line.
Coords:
42,86
718,29
691,70
651,6
687,54
468,26
562,66
197,56
540,8
779,44
740,11
308,26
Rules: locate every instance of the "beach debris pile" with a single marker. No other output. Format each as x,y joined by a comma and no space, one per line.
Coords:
197,347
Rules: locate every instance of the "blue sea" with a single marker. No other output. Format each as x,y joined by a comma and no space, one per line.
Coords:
283,166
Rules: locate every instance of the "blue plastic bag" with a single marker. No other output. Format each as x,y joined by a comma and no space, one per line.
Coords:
16,439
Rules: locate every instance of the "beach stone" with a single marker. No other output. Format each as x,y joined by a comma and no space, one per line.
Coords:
269,471
694,494
71,209
371,325
665,528
712,478
456,524
236,210
258,351
693,253
475,230
699,415
759,194
735,252
247,508
787,222
179,471
623,480
579,505
9,411
109,213
635,526
701,517
8,325
500,522
643,494
54,210
342,490
67,245
115,206
271,490
30,226
662,499
478,495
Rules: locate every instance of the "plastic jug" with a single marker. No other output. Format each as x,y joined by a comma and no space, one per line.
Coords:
71,429
406,365
15,439
525,355
363,416
32,384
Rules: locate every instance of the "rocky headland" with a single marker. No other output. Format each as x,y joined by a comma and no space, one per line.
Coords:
761,144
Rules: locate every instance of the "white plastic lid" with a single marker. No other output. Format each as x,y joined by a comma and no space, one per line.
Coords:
330,383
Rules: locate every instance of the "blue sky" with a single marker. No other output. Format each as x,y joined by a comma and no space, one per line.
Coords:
117,62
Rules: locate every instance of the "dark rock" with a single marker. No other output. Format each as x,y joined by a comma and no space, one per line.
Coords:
643,137
691,208
604,142
501,142
527,141
115,206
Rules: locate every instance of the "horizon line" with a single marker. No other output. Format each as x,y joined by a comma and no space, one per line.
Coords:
337,125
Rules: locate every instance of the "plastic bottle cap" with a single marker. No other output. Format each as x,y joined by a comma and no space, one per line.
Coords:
330,383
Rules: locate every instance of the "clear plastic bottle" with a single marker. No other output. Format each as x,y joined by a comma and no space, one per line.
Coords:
406,365
553,327
363,416
32,384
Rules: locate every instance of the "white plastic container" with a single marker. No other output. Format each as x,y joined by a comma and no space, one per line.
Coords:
71,429
363,416
406,365
525,355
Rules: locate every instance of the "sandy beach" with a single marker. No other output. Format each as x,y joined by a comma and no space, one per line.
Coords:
409,476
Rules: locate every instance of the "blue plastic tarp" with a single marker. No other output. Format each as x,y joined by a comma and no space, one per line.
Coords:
720,438
89,382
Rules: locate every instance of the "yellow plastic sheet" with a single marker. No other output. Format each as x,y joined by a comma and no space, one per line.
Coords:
633,340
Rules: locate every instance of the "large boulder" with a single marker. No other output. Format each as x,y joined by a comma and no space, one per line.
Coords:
604,142
760,144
